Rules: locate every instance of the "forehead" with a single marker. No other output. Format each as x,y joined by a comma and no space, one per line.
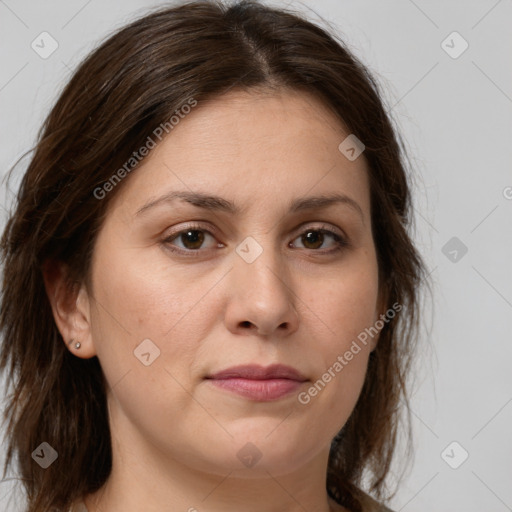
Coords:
251,147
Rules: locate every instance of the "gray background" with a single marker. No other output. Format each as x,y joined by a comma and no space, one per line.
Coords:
456,116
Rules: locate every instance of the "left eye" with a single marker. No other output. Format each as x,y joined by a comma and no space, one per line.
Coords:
194,237
316,237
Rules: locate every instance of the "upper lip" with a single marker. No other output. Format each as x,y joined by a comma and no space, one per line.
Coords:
257,372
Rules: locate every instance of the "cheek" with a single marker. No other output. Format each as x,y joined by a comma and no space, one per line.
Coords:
347,310
141,317
137,301
146,298
348,303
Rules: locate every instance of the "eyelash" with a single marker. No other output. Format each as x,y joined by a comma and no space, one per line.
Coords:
340,242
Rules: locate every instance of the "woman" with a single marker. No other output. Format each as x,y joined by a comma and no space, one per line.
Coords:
210,296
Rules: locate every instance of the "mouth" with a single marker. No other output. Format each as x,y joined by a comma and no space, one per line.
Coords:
259,383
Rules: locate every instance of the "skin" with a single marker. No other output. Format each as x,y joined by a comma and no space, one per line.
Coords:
175,436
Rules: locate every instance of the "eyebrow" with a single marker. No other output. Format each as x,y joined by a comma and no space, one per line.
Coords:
216,203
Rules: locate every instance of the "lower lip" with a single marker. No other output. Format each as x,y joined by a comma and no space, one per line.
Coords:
261,390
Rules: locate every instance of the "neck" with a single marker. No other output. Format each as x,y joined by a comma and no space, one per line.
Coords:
153,483
133,486
146,477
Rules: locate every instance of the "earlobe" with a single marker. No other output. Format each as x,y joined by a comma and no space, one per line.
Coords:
70,308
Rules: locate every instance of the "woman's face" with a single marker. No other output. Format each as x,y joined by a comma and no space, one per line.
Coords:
239,273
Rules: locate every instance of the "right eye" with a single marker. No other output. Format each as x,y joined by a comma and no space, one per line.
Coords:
192,238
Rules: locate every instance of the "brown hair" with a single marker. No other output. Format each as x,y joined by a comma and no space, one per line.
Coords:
116,98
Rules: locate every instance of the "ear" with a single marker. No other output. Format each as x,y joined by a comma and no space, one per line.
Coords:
71,308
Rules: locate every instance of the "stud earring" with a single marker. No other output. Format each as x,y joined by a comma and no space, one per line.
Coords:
77,344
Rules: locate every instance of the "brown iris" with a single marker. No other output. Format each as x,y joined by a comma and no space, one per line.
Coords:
194,237
313,237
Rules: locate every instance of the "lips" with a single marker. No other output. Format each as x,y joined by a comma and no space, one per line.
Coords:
256,372
259,383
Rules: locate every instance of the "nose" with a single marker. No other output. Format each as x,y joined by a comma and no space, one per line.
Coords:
261,298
